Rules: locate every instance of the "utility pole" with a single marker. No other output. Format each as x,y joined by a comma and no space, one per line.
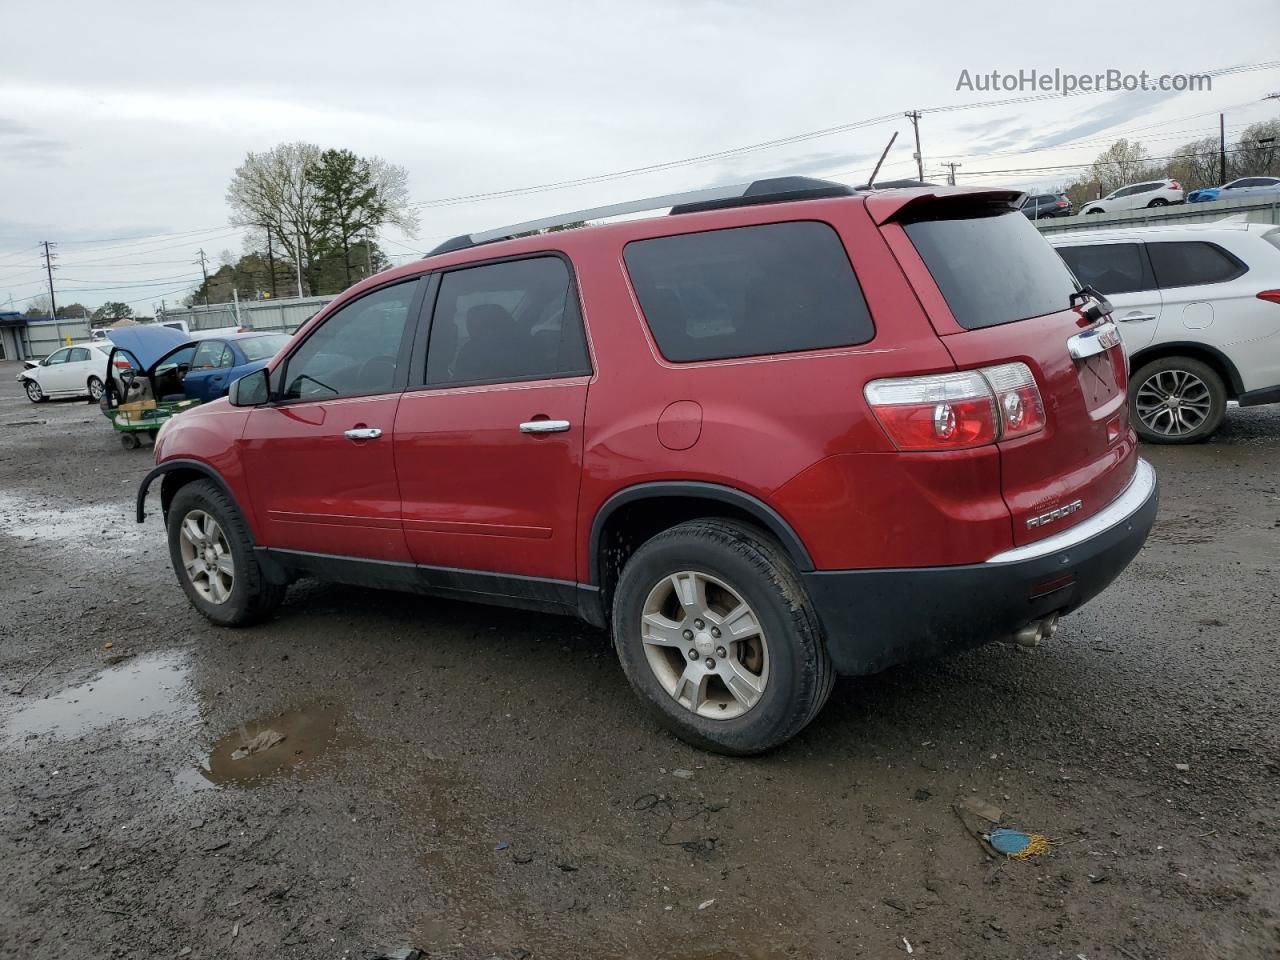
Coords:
951,176
914,117
48,269
1222,148
271,264
298,261
205,272
368,252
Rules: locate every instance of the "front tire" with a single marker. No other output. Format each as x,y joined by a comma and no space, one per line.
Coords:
1176,400
1093,211
34,393
213,556
717,636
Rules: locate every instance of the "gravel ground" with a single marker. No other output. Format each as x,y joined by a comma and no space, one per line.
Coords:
479,782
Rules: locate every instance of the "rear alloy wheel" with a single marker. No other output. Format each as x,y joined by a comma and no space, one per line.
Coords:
1158,202
1177,400
95,389
34,393
715,632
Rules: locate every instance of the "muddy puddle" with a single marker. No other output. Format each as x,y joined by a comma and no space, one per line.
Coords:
136,696
293,744
77,526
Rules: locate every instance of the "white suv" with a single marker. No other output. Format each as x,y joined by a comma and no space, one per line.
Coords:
1198,307
1149,193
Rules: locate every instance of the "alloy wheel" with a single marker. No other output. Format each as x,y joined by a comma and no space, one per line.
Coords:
705,645
95,388
206,556
34,393
1173,403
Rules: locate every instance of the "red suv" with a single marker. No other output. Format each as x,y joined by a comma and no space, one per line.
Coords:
784,433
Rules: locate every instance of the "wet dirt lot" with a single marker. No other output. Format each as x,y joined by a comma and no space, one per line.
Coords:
478,782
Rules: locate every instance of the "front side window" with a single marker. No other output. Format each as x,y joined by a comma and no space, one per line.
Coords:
356,351
749,291
210,355
500,322
1192,263
58,356
1108,267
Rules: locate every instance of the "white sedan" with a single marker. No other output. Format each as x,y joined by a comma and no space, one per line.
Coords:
78,371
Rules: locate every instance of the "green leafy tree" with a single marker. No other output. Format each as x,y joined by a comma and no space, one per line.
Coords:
74,311
111,311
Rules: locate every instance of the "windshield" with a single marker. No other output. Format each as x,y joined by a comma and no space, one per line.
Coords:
262,348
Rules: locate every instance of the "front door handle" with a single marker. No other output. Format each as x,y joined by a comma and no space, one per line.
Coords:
362,433
1137,317
544,426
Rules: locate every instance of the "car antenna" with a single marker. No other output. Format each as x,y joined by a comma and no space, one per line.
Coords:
871,183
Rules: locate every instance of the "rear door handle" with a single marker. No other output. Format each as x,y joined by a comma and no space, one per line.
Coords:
544,426
1136,317
362,433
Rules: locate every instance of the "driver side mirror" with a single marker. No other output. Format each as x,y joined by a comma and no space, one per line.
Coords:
251,390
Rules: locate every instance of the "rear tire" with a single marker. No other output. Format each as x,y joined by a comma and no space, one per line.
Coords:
129,441
1158,202
95,389
1176,400
737,691
212,554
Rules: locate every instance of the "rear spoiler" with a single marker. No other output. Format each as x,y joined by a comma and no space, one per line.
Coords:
888,205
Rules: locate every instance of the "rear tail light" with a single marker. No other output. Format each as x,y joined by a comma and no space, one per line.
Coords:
1062,201
121,364
1174,185
1272,295
957,411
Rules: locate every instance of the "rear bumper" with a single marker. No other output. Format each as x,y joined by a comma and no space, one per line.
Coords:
876,618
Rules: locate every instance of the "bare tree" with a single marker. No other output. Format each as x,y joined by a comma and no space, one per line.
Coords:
271,191
1122,163
1195,164
1257,152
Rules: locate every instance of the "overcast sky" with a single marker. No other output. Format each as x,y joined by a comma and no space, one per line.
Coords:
127,120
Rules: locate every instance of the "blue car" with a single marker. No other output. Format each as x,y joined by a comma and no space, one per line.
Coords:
214,363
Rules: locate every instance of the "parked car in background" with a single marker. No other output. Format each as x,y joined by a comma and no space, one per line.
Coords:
1149,193
75,371
218,361
1199,309
811,432
1038,206
1243,187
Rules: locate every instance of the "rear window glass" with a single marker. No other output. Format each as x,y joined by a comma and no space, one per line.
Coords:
1192,262
748,291
262,348
1108,267
994,268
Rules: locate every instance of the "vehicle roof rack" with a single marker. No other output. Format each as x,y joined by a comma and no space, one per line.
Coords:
772,190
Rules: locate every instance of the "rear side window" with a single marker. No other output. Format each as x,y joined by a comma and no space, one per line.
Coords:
78,355
994,268
1191,263
748,291
1109,267
517,320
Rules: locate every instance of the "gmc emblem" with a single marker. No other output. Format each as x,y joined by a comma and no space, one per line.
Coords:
1053,515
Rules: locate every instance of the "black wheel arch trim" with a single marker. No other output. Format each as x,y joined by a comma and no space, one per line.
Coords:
169,466
1190,348
768,517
